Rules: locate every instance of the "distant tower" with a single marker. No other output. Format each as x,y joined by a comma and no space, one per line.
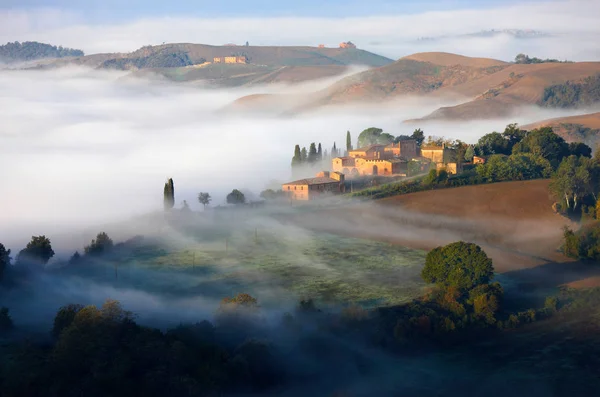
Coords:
247,44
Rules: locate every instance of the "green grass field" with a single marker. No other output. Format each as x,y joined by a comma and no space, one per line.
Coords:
273,265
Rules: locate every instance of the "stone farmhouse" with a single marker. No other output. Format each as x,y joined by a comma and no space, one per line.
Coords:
387,160
231,59
376,159
325,183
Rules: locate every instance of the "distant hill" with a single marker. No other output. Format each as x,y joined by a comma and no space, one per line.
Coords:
189,62
486,88
32,50
257,55
584,128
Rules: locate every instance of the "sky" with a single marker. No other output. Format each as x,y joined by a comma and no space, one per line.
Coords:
390,28
111,10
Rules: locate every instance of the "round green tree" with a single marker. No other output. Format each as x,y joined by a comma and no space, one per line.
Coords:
461,265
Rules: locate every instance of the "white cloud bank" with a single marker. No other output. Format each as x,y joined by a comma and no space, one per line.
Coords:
574,25
80,147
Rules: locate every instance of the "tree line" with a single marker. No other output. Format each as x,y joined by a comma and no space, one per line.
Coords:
32,50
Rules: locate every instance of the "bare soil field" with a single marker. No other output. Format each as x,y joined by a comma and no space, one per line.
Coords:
512,221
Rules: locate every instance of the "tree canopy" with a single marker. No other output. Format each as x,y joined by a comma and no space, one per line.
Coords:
4,260
516,167
545,143
101,245
576,178
32,50
205,199
461,265
372,136
236,197
38,251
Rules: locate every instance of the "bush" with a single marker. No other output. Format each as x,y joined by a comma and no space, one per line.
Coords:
6,323
585,244
551,303
461,265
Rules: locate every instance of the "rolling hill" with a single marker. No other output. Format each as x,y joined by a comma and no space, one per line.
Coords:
181,62
484,88
584,128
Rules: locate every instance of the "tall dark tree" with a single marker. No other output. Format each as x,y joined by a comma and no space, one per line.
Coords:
319,152
169,195
312,153
304,155
334,151
38,251
419,136
348,142
4,260
297,159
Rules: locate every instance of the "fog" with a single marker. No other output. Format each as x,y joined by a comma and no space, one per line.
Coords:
82,147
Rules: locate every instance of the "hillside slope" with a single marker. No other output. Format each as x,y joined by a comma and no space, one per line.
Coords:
502,94
484,88
584,128
513,221
258,55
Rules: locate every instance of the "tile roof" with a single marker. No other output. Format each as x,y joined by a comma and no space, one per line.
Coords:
313,181
366,148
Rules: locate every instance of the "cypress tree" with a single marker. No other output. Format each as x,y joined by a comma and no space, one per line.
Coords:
312,153
304,155
334,151
348,142
319,152
297,159
169,195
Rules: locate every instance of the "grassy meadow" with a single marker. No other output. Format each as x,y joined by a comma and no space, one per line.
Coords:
274,262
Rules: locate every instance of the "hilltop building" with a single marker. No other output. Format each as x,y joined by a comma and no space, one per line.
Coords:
442,157
321,45
377,159
231,59
347,44
312,188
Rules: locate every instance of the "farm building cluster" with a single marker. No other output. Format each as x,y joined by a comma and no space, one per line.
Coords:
384,160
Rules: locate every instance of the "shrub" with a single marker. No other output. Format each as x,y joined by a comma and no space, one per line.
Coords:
551,303
461,265
6,322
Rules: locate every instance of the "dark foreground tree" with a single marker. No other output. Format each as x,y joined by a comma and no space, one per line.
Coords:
204,199
461,265
236,197
169,195
6,322
38,251
4,260
101,245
